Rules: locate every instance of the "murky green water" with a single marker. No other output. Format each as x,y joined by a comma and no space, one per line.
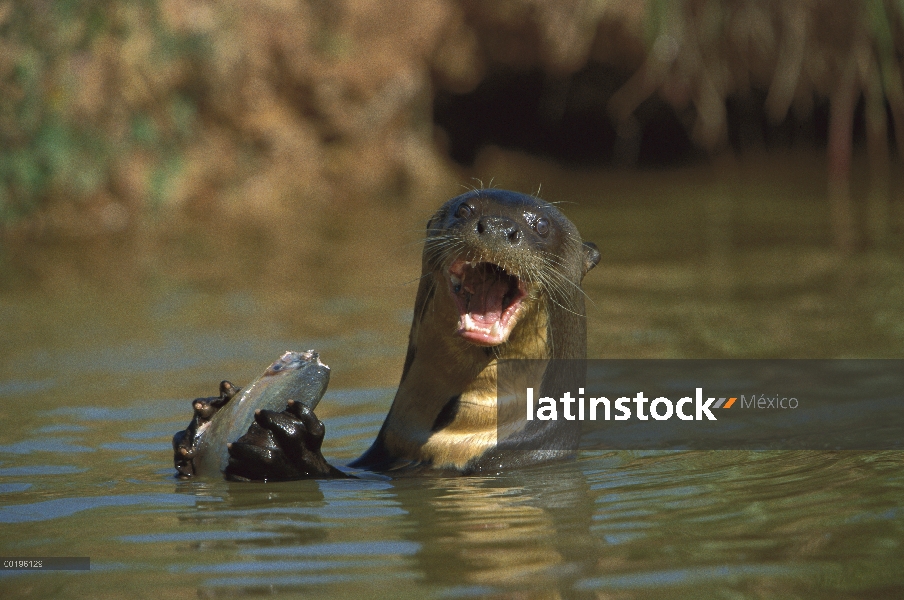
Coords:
103,344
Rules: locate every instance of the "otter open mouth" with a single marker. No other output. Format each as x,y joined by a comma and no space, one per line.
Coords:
488,300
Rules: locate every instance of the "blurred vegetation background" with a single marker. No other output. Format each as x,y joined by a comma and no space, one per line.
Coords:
116,112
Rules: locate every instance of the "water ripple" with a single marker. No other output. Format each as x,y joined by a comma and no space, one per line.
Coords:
64,507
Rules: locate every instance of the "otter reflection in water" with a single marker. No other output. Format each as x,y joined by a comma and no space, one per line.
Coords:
501,279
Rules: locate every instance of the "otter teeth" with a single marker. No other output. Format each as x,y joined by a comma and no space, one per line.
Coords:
468,324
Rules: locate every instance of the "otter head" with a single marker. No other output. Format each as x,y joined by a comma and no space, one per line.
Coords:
499,256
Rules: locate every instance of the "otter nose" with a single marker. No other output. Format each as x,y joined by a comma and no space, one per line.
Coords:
498,228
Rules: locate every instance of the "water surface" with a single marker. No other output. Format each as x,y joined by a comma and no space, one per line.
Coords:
103,344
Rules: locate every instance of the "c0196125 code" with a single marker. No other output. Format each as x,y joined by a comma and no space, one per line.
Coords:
45,563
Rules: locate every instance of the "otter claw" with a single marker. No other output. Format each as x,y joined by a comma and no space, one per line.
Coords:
279,446
227,391
203,411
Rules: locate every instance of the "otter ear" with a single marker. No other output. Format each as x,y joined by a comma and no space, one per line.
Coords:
591,257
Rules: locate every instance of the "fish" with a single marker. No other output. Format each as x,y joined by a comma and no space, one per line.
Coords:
298,376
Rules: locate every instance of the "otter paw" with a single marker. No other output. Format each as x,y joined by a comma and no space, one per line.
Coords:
281,446
184,441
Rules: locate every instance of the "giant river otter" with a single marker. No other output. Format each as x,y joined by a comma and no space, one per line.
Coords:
500,279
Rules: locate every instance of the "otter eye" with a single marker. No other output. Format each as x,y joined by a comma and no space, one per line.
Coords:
541,225
464,211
